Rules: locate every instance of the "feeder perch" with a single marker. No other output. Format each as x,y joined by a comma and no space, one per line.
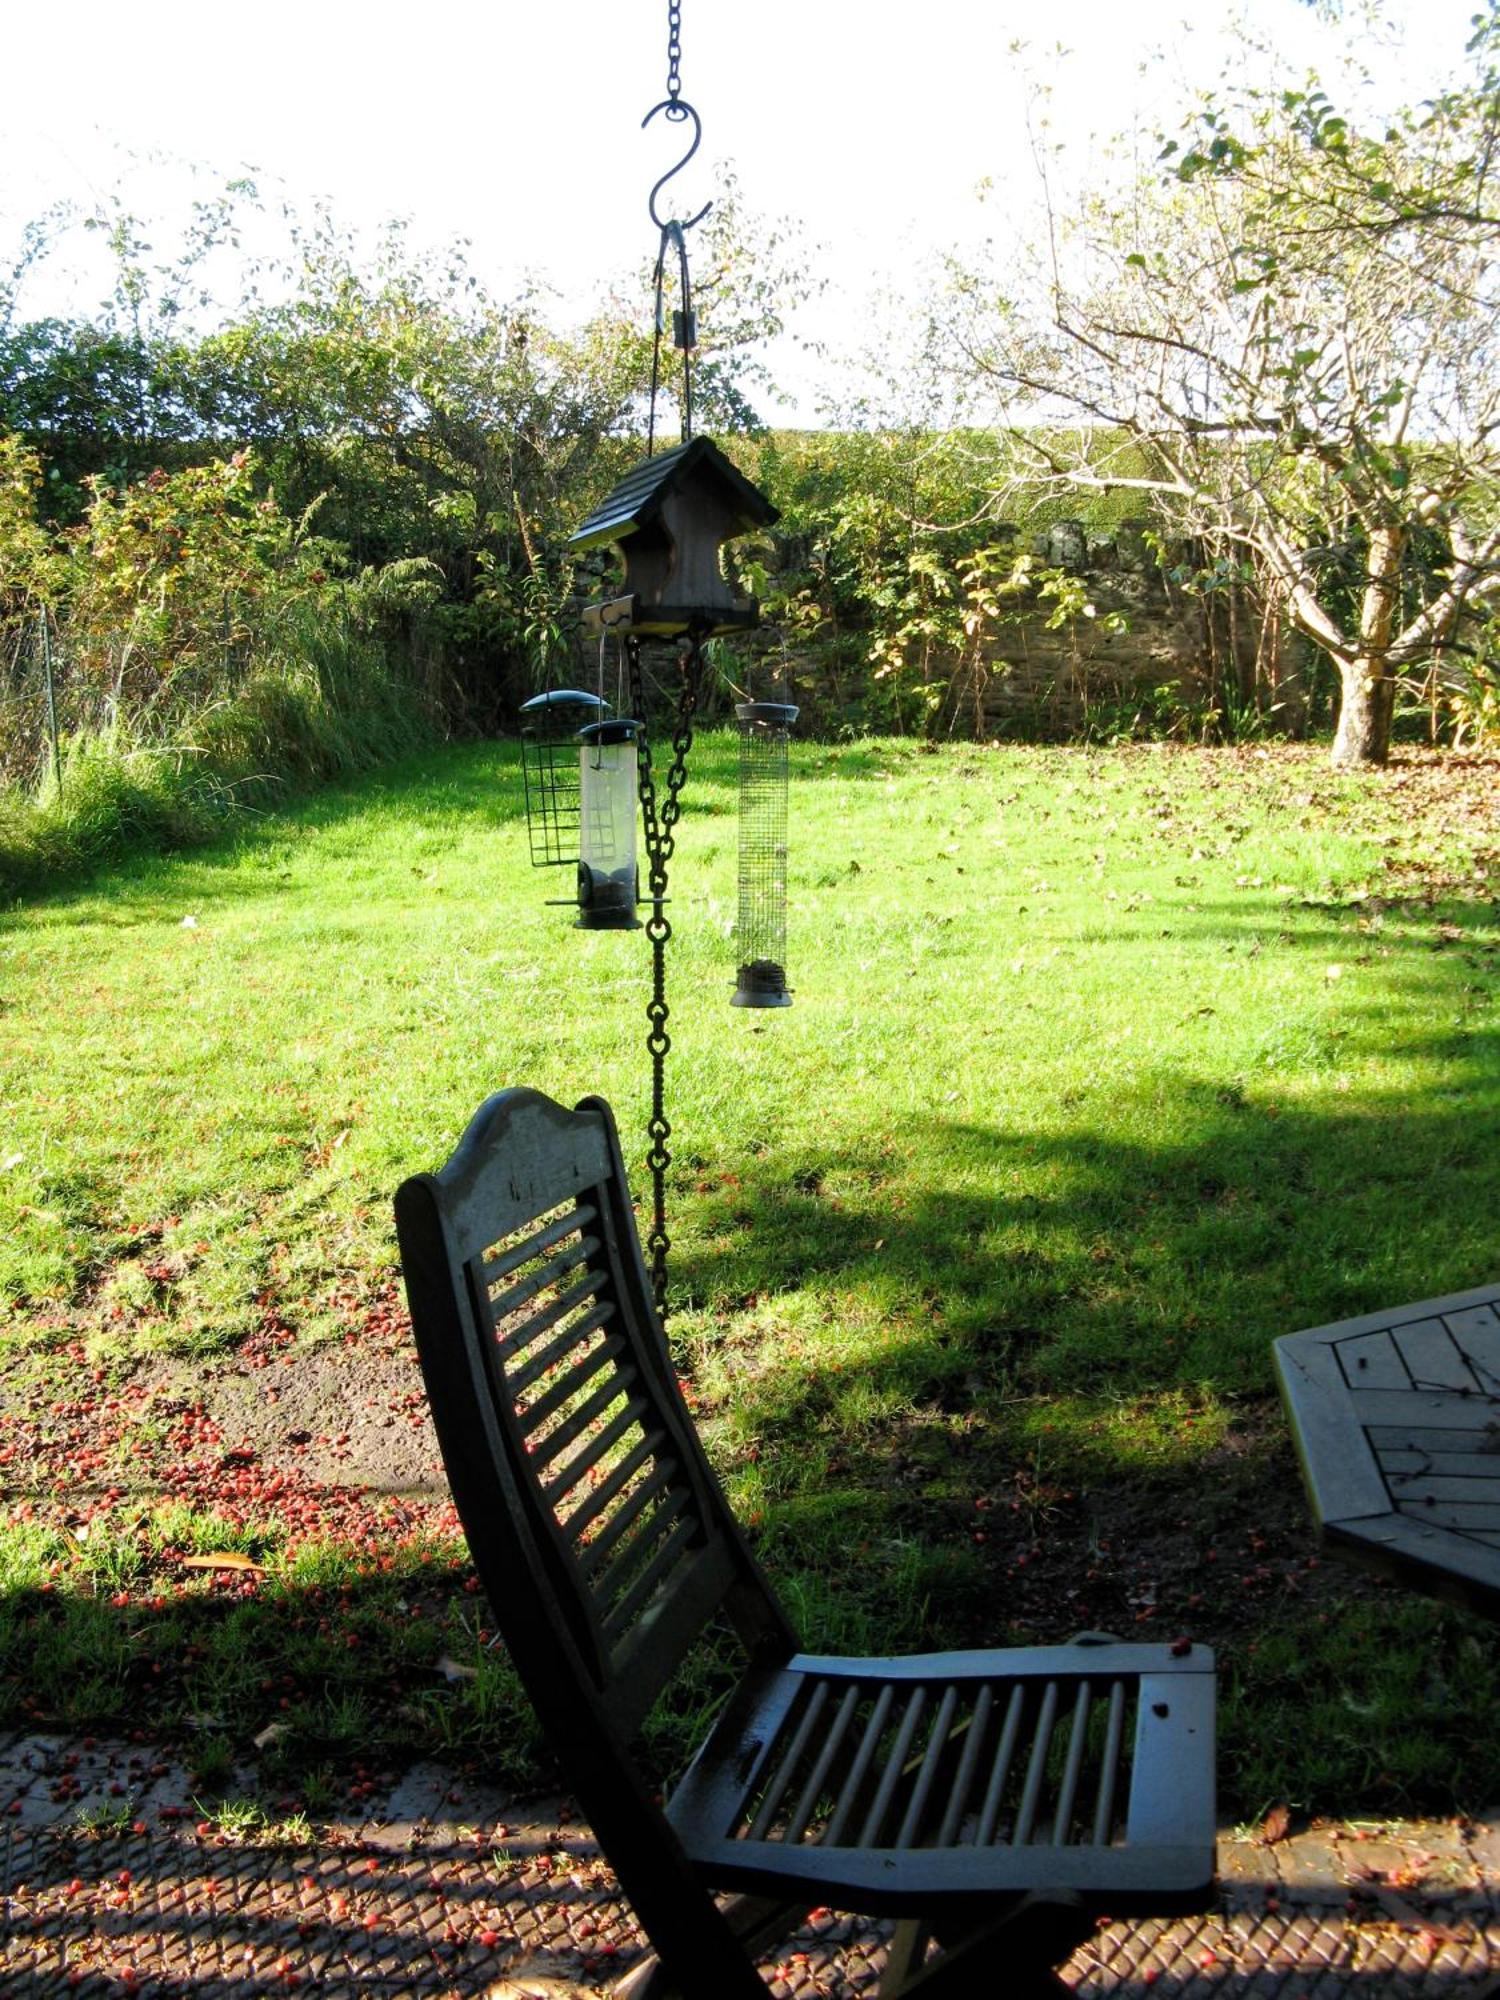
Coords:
550,769
606,863
671,516
761,932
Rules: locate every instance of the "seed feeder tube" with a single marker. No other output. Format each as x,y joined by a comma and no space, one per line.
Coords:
765,728
607,889
549,771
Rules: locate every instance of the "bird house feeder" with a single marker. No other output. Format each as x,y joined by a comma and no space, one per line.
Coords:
550,770
607,890
671,517
765,728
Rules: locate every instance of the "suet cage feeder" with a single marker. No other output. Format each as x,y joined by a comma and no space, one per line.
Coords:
550,769
765,730
607,781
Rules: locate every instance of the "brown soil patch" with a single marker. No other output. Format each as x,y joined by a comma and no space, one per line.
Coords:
351,1410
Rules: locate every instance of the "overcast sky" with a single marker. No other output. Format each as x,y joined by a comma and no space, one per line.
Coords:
518,126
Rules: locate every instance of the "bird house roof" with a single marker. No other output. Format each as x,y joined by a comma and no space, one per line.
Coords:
638,498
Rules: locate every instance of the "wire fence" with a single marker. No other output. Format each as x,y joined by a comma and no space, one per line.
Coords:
54,688
33,706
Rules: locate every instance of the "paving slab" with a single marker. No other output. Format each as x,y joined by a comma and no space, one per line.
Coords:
452,1890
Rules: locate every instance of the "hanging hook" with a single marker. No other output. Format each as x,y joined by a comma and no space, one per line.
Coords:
676,108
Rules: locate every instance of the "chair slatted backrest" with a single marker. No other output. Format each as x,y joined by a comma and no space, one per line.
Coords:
567,1444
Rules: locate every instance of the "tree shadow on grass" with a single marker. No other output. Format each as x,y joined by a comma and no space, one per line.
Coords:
1311,1178
389,1659
1085,1265
1067,1325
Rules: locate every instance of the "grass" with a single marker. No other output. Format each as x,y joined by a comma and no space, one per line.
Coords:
323,698
1105,1068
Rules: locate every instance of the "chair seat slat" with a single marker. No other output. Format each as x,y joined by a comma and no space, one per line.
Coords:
859,1770
895,1763
1114,1737
640,1593
1068,1790
921,1791
1005,1751
812,1791
552,1354
532,1246
786,1770
1036,1770
968,1764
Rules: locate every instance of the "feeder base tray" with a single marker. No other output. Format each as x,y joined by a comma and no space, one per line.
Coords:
761,984
669,621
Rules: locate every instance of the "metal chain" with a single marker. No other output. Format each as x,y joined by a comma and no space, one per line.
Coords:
674,58
661,839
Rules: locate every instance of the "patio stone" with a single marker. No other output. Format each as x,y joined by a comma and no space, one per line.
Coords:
409,1901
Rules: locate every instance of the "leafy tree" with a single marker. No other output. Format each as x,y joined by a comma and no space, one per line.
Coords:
1286,330
91,400
388,398
104,396
25,549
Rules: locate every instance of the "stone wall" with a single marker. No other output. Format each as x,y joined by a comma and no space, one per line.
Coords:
1182,651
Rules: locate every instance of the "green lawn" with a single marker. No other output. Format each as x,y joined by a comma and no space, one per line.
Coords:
1104,1068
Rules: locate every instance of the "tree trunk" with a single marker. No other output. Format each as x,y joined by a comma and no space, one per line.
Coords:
1369,693
1366,706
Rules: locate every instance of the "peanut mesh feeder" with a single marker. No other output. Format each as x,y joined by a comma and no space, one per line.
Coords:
765,728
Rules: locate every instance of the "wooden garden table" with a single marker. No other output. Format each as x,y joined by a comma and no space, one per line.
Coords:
1396,1418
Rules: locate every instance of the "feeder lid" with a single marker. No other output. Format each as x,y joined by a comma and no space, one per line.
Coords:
774,714
620,729
563,698
637,500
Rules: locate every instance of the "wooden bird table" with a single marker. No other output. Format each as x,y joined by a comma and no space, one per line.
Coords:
1396,1418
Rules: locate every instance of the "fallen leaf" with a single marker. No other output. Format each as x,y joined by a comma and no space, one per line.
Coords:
272,1733
223,1559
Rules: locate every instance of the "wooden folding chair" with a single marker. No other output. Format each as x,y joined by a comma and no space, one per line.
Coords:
996,1802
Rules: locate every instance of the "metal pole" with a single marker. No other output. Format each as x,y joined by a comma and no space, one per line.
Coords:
51,700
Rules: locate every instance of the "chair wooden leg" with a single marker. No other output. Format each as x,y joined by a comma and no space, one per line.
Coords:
1015,1956
908,1949
645,1981
757,1921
